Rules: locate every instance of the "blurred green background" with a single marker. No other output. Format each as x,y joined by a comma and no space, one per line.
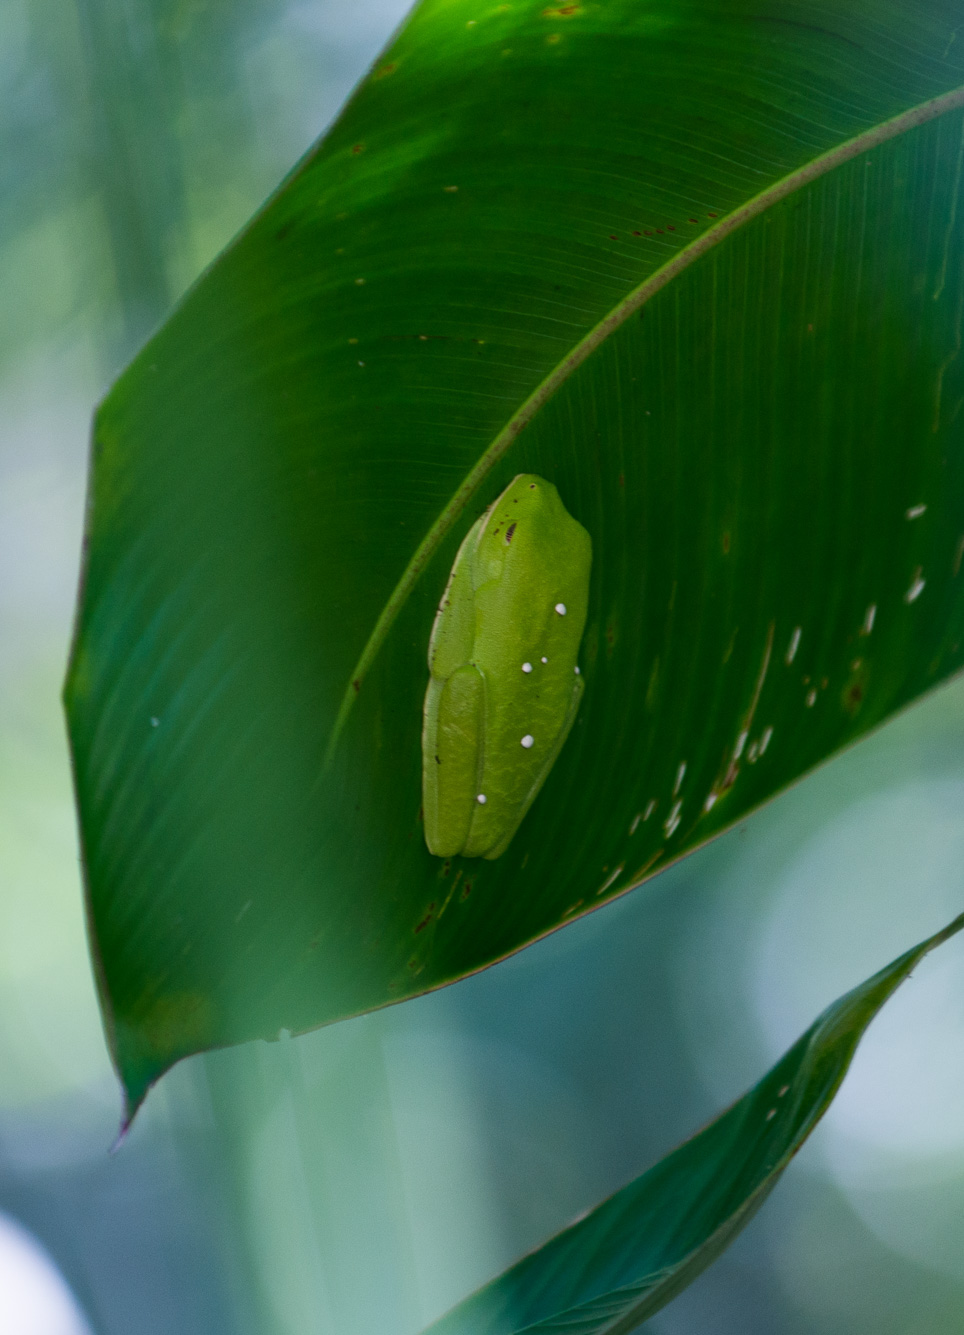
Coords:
361,1179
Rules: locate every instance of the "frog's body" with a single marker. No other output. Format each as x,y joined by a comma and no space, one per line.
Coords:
505,683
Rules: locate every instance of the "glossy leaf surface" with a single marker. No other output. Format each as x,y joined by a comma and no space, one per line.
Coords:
699,264
637,1250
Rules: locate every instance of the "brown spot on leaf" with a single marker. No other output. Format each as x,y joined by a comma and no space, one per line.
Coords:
427,919
855,691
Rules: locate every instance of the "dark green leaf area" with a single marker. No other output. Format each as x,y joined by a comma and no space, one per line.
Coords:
745,451
633,1253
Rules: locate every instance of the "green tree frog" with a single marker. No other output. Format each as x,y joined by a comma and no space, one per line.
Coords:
505,682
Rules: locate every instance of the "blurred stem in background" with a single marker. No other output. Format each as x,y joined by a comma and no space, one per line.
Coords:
134,95
135,99
133,55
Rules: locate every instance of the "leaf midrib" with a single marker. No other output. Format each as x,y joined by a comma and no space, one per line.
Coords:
587,345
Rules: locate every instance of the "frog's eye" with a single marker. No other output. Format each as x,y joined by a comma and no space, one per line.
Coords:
505,684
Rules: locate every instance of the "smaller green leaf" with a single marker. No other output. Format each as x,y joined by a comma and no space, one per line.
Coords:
637,1250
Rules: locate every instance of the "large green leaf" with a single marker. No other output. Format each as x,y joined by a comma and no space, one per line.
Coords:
637,1250
699,263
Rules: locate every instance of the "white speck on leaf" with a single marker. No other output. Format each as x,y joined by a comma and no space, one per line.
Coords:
680,776
740,743
155,722
561,609
528,740
526,667
481,799
793,646
765,739
811,699
869,617
673,819
916,588
916,511
609,879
